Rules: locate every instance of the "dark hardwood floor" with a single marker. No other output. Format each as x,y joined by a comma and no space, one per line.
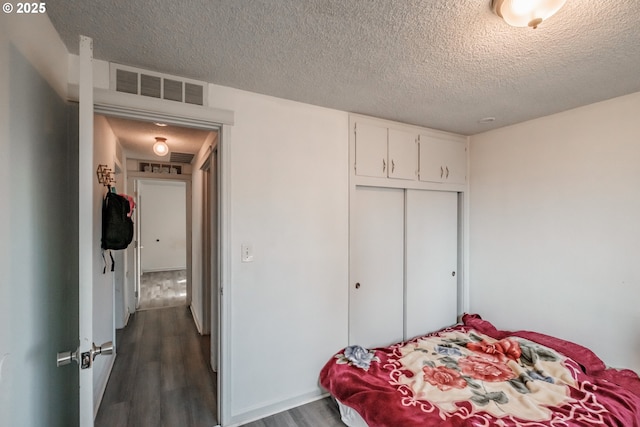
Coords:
321,413
161,376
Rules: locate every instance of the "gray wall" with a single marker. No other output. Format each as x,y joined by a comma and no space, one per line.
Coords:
38,255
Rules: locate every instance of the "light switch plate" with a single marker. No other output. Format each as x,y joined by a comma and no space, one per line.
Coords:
247,253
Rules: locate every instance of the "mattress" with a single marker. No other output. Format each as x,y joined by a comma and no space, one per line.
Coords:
350,416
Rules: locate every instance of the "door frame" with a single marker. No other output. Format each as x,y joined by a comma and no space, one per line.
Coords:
222,325
109,103
206,246
133,187
211,283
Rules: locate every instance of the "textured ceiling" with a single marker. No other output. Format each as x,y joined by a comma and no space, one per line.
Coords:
441,63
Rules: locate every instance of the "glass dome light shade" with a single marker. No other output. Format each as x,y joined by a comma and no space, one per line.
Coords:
160,147
523,13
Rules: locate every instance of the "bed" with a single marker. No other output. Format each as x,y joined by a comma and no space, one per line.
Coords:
475,375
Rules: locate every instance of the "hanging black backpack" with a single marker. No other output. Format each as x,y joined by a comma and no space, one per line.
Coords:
117,226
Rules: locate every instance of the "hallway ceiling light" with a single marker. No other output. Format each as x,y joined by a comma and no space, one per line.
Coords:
160,147
523,13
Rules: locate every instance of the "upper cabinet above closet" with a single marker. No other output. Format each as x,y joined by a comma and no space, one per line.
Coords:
385,153
389,154
442,160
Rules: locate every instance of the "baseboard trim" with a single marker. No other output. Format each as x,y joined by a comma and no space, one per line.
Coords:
196,320
275,408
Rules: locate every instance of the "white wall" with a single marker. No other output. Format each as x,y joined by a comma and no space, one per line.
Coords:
289,201
38,226
555,227
105,143
163,225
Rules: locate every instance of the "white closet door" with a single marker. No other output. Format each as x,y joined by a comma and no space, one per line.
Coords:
377,267
432,258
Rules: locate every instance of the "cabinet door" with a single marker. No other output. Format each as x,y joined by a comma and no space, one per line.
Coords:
455,161
371,150
442,160
403,155
432,259
431,159
377,267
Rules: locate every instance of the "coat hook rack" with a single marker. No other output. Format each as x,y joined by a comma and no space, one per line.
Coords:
105,175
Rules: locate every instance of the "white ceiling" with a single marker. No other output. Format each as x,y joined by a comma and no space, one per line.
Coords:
442,64
137,138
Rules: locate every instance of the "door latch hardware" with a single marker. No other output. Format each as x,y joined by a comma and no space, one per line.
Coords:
86,358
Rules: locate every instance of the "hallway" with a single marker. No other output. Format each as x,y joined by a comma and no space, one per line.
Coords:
162,375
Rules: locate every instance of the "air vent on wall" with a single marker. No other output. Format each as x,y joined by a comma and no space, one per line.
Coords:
150,86
155,85
126,81
180,157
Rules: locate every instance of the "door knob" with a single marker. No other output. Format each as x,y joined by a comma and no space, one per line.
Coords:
86,359
106,348
66,357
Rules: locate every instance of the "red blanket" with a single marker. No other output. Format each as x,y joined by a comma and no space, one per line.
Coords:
475,375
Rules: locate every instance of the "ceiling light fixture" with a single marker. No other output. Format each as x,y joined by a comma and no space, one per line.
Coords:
160,147
523,13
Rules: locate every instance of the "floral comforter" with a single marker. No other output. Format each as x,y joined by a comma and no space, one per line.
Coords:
475,375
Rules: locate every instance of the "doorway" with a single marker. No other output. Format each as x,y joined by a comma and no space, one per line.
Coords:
199,295
163,224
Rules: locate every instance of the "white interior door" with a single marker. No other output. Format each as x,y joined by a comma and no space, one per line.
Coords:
85,232
432,259
377,265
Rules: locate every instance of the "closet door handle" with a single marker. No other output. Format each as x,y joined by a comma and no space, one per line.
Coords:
393,166
384,165
441,172
447,175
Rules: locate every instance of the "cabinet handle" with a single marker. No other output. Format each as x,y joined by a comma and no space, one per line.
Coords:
447,175
357,285
441,172
384,165
393,166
